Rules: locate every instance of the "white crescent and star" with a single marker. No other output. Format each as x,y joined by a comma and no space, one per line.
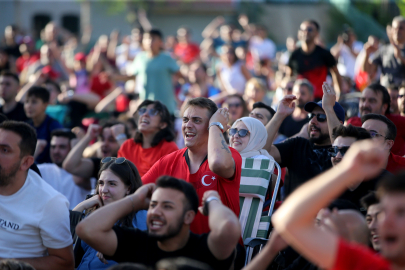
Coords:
205,184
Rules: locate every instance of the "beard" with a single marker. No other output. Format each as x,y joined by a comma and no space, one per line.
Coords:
319,140
7,177
171,232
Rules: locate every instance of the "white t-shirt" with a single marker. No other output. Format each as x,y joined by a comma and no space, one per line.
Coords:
264,48
33,219
63,182
347,60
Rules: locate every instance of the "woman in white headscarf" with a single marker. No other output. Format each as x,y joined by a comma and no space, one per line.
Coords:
248,136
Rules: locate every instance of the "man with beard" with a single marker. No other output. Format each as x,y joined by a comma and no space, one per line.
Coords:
56,176
172,205
110,137
304,92
9,87
376,99
34,218
305,158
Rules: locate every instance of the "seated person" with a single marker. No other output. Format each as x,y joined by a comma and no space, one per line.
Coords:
35,105
172,205
153,139
117,179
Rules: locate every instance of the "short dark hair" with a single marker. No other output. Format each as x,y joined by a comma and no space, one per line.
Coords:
264,106
63,132
7,73
203,102
386,98
186,188
392,184
391,128
342,204
351,131
27,133
315,23
167,133
156,33
369,199
39,92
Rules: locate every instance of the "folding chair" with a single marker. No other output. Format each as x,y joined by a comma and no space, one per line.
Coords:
255,180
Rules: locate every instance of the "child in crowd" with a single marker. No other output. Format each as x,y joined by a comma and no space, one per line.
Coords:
35,105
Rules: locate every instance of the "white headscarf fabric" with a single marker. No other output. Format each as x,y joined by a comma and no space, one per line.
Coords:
257,140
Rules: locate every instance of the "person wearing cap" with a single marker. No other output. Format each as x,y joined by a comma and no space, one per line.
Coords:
306,158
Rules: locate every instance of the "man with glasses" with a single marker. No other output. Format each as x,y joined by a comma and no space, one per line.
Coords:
305,158
376,99
383,131
344,137
311,61
9,87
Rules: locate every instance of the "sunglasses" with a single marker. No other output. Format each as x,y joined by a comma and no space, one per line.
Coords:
236,105
334,150
241,132
118,161
151,112
375,134
321,117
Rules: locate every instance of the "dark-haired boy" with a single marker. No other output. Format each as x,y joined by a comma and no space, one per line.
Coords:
172,205
371,203
262,112
9,87
36,101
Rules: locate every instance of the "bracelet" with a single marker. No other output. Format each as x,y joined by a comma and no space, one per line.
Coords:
120,137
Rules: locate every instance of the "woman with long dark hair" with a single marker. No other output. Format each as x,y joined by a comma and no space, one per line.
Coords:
153,139
117,178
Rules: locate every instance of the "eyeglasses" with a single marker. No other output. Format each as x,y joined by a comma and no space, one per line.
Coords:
334,150
241,132
151,112
375,134
321,117
236,105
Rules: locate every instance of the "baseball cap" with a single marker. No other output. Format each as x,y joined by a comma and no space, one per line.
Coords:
340,112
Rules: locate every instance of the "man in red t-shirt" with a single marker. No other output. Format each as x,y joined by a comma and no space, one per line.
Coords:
185,50
383,132
206,162
294,219
376,99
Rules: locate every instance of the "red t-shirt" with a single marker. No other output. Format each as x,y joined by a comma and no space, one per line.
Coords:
399,121
357,257
204,179
100,85
395,163
144,159
187,52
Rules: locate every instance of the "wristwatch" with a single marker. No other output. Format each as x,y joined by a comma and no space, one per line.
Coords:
121,136
221,127
207,201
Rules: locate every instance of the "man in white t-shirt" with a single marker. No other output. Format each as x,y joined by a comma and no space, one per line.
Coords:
56,176
263,47
34,218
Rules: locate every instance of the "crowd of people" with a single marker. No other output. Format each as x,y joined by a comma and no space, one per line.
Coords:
128,153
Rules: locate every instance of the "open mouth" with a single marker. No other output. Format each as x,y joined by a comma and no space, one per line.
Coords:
144,121
190,135
156,224
313,130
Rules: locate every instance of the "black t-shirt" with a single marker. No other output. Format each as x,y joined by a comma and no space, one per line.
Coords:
313,66
363,189
304,161
96,166
16,114
136,246
290,127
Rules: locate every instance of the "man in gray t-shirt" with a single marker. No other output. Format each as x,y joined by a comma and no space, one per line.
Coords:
390,58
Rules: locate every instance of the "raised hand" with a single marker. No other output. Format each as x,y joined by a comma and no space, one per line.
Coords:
329,96
222,116
118,129
93,131
143,195
286,106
